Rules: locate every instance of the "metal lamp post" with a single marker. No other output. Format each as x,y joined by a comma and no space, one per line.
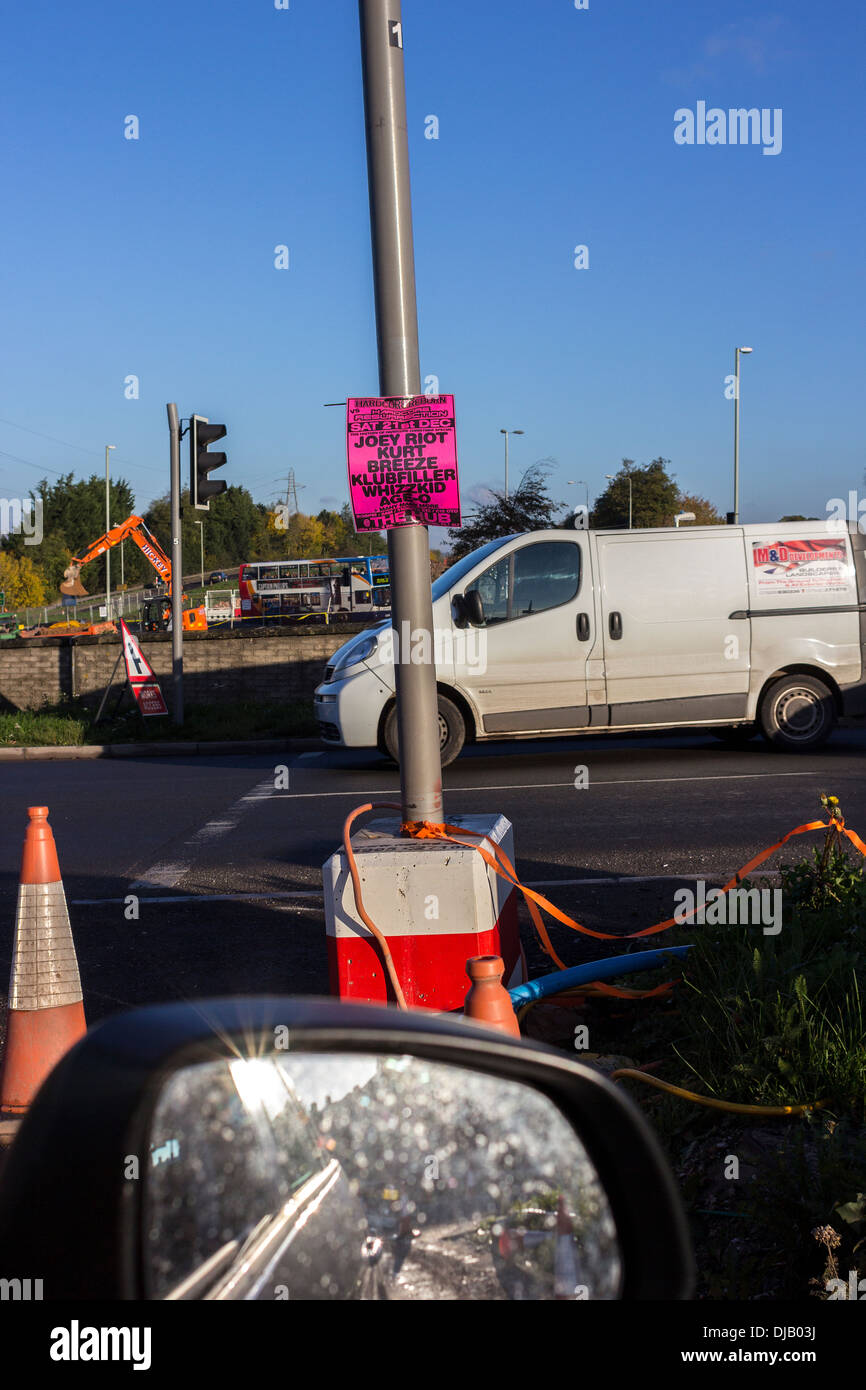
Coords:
578,482
108,447
737,432
507,433
400,376
122,575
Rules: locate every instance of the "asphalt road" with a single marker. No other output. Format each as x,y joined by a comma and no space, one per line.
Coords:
181,833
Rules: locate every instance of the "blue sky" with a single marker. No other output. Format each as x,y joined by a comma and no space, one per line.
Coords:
155,257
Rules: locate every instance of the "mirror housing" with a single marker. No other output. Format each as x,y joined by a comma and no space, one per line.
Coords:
473,608
82,1224
467,610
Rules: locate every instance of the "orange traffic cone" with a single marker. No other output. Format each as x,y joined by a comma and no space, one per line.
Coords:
488,1000
46,1010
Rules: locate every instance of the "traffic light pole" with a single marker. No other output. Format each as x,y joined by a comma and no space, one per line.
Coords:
400,375
176,571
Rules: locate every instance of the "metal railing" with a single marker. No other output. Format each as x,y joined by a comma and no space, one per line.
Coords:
87,611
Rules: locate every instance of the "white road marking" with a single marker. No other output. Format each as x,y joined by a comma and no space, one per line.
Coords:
167,873
626,879
543,786
207,897
291,894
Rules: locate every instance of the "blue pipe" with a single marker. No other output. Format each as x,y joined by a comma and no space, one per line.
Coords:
594,970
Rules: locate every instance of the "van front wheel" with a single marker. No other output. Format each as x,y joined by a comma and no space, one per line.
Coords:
452,732
797,713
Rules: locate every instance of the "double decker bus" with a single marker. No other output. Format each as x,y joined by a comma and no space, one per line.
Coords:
348,586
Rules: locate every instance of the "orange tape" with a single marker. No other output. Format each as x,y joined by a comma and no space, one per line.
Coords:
429,830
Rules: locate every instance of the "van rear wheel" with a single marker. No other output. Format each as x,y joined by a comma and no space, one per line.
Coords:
797,713
452,732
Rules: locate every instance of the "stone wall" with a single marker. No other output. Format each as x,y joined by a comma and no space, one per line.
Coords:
218,666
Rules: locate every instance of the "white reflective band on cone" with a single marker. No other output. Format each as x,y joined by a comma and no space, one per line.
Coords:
44,971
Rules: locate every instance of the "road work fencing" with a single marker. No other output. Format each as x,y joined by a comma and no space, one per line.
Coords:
498,861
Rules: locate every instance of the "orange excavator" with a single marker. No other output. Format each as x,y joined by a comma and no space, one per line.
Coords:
156,613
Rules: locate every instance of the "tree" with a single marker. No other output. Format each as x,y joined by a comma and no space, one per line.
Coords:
293,536
231,528
20,582
655,497
312,538
530,508
73,516
705,513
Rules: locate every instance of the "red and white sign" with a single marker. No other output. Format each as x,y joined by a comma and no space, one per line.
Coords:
402,457
145,686
150,699
802,567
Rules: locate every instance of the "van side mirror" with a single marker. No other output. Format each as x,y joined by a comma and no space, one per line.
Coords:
473,608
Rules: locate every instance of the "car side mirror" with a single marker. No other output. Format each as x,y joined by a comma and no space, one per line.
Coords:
263,1149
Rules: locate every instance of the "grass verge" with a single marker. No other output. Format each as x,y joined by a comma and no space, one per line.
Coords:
70,724
777,1205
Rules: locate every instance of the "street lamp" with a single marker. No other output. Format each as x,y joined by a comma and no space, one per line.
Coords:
611,476
200,525
578,482
507,433
107,528
122,577
683,516
737,432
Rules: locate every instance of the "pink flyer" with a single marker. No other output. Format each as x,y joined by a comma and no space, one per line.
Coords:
402,457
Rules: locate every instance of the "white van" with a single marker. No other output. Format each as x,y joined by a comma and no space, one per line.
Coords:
738,629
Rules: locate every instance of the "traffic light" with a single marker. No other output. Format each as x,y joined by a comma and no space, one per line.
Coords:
201,463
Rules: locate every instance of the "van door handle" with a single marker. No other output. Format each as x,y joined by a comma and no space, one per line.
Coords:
583,627
614,626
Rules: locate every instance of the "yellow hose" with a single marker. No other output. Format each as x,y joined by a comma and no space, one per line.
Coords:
728,1105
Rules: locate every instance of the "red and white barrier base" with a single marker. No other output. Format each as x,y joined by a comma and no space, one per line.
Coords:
436,903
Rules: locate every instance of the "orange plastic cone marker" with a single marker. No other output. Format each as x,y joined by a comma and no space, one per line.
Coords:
46,1010
488,1000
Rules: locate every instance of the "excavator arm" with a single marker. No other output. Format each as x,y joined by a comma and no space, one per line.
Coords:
153,551
157,616
133,529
